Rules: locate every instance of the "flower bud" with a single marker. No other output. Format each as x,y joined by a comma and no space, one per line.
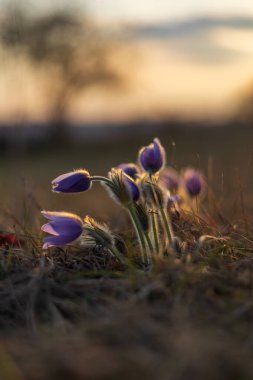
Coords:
122,187
170,179
132,170
73,182
194,182
152,157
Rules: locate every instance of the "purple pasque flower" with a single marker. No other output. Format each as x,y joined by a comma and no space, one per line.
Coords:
152,157
170,179
131,169
194,182
73,182
132,187
122,187
63,227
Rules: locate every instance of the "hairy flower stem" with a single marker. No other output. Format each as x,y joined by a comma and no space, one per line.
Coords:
154,227
139,232
167,225
100,179
153,216
150,245
135,221
166,222
118,255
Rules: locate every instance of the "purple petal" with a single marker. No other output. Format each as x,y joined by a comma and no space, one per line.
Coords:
63,227
49,229
147,158
62,177
133,188
73,182
152,157
60,215
193,182
56,241
170,179
130,169
193,186
158,154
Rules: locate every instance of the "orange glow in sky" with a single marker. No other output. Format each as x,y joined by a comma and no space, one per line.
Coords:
185,67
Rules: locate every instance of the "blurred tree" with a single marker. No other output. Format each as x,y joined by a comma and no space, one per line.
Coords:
71,51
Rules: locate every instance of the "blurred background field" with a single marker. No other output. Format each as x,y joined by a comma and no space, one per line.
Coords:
223,153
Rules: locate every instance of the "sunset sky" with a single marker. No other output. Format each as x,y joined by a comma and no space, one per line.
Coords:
191,58
150,10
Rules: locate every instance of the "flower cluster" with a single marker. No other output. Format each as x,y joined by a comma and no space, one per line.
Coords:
148,190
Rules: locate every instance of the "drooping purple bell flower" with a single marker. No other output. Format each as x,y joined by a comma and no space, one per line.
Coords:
73,182
131,169
152,157
194,182
63,227
170,179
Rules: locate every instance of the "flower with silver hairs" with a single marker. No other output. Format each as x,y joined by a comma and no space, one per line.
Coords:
152,157
73,182
96,233
99,234
121,187
131,169
194,182
63,227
